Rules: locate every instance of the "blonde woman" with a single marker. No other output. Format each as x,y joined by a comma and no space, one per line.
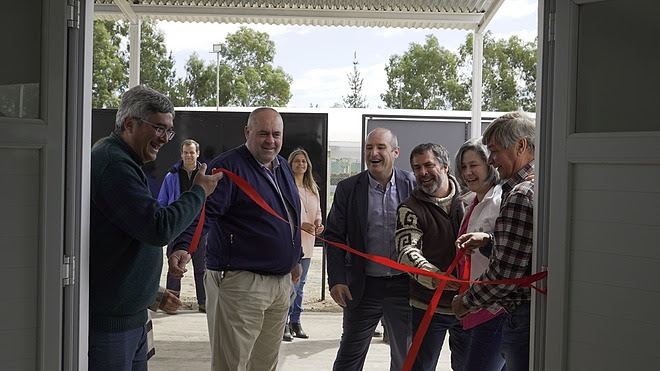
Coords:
310,204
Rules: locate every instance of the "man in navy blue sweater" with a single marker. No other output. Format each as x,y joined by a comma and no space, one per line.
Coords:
252,257
128,228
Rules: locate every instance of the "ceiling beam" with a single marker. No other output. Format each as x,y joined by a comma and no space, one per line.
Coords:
490,13
126,10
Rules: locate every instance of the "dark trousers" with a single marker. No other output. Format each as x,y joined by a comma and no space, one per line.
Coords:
515,339
383,297
198,271
486,346
429,351
118,351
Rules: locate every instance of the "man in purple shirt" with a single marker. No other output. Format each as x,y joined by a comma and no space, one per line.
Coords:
363,216
510,140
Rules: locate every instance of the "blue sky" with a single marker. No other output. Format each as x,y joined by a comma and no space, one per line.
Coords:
320,58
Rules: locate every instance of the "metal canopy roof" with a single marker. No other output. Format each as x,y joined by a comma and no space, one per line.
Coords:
449,14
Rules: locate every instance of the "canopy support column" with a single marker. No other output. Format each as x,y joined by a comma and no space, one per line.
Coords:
134,57
477,61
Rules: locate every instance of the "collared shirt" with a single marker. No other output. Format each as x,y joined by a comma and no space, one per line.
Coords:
381,225
512,246
270,174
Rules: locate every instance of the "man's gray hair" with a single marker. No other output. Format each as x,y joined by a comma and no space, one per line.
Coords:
140,102
480,149
394,141
438,151
509,128
190,142
252,119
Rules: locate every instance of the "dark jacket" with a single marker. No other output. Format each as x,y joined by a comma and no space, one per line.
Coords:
347,224
128,229
243,236
171,187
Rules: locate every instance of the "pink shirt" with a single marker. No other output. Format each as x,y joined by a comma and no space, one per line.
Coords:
310,211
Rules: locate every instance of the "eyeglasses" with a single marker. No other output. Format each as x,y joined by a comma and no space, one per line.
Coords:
160,129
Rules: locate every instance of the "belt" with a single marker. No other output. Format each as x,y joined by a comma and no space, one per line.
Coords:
401,275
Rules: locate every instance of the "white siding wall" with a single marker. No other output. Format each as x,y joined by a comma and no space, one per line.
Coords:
614,288
19,202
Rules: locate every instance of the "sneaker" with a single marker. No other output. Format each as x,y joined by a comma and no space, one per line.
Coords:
202,308
377,333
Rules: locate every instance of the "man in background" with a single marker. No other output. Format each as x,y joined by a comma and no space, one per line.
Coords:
178,180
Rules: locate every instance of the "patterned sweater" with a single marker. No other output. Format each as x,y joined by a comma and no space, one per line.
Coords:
425,234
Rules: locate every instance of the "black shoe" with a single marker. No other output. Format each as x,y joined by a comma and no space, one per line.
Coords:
377,333
297,330
202,308
287,333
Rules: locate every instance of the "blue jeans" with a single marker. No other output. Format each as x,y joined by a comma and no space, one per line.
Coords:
515,339
118,351
485,346
386,298
429,351
296,307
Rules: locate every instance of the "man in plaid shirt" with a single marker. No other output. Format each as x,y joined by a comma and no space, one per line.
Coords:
510,140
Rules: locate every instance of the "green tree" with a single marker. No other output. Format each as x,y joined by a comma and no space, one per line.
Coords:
509,72
355,99
425,77
247,76
249,55
199,83
109,76
156,63
110,62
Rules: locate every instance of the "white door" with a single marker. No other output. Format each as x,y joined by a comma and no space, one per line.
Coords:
600,222
43,165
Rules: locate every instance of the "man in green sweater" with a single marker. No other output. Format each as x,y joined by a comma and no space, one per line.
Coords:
128,228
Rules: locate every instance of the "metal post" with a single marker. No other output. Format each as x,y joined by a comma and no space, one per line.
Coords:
477,61
323,269
216,50
217,81
135,42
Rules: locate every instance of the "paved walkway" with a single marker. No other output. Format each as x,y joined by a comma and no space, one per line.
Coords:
182,344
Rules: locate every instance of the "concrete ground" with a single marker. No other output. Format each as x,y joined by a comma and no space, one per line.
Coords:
182,344
182,341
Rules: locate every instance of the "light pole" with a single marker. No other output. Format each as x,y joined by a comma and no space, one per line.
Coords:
216,50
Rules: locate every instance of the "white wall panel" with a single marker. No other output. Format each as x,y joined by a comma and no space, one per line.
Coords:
588,357
613,268
615,302
19,245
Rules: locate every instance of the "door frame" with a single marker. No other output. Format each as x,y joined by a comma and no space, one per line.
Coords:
78,157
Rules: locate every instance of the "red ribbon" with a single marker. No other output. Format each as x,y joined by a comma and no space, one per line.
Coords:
421,331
